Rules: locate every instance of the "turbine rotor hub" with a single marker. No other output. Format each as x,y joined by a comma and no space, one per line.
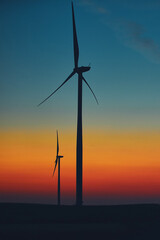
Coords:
81,69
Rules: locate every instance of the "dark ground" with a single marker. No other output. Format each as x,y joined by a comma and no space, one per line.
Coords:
36,221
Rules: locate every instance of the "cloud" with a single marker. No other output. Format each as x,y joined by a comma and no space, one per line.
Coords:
93,6
86,2
130,33
102,10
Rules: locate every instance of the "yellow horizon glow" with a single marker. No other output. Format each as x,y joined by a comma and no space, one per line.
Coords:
115,163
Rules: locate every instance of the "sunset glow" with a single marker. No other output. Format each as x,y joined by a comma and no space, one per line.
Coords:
118,43
130,166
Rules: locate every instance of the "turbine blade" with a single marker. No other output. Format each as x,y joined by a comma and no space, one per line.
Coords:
57,144
75,41
55,166
90,89
57,88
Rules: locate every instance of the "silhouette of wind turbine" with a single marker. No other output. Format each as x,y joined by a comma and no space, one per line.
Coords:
79,71
57,161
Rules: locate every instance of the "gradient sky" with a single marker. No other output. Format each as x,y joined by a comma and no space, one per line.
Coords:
121,41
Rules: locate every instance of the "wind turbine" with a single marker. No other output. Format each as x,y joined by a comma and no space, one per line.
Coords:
57,161
79,71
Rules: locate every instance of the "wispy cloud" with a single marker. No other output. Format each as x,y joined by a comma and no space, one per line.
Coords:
102,10
131,34
86,2
93,6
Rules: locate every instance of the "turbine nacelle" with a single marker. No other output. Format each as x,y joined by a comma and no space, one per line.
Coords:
82,69
58,157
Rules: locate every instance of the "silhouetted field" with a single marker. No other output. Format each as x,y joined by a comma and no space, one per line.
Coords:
36,221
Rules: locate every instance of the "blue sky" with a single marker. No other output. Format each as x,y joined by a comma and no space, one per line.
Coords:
121,40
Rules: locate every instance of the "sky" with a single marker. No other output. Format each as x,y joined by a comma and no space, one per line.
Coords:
121,136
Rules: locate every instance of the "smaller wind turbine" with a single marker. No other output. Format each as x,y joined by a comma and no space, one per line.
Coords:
57,161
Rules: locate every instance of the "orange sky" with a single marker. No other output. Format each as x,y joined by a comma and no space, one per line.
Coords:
115,163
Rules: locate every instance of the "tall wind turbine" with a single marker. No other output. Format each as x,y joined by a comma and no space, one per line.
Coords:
79,71
57,161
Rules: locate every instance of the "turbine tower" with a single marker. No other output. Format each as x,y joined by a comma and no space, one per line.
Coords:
57,161
79,71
